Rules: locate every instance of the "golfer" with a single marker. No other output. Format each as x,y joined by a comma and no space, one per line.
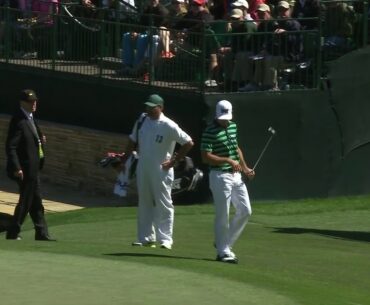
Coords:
156,136
220,150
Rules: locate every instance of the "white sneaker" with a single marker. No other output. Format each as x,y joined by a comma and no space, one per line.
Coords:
227,258
166,246
232,254
149,244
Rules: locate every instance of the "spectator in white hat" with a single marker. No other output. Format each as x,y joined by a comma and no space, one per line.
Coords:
253,5
244,6
266,62
237,68
291,43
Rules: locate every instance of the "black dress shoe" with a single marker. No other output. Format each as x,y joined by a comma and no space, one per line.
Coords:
44,238
13,237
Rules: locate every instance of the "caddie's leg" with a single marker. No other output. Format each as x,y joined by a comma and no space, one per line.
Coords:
243,210
220,184
145,231
164,210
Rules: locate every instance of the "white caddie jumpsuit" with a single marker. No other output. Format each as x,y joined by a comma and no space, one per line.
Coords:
157,140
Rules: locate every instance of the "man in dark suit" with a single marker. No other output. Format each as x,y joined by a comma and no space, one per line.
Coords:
25,157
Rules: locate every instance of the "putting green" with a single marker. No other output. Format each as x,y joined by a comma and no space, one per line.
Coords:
45,278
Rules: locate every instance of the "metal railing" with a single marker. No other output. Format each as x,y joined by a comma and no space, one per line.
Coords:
97,45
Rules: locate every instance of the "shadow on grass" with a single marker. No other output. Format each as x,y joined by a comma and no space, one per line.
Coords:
349,235
158,255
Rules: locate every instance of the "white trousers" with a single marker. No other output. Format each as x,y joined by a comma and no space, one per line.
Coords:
155,210
228,187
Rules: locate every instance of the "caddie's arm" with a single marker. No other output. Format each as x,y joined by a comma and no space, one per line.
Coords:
128,152
179,155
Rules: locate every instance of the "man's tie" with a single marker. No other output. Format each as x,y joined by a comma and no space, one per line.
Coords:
33,125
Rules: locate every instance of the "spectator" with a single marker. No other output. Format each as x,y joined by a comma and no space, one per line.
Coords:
154,15
218,9
194,25
339,21
306,9
89,50
264,63
196,18
177,10
237,65
244,6
44,11
290,43
253,5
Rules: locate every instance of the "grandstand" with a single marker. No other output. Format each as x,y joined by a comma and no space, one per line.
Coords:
77,58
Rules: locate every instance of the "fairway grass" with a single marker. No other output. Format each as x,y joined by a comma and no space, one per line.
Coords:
309,252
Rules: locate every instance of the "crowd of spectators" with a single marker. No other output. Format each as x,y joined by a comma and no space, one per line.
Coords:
245,43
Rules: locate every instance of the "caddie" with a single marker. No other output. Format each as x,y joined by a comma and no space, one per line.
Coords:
154,136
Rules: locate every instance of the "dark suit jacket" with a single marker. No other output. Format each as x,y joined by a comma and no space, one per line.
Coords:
22,146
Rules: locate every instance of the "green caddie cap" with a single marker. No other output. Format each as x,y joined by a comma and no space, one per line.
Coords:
154,100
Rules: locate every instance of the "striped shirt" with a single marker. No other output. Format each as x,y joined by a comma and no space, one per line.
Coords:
221,142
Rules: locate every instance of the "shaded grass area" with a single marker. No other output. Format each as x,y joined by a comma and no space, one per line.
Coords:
295,252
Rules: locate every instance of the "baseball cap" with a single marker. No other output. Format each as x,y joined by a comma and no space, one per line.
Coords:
178,1
154,100
283,4
239,3
199,2
28,95
236,13
263,7
224,110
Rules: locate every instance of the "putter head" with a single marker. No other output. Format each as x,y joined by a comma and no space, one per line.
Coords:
271,130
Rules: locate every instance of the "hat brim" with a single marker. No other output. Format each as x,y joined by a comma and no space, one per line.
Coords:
150,104
225,117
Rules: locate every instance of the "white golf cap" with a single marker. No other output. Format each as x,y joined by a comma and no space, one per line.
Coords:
239,3
236,13
283,4
224,110
263,7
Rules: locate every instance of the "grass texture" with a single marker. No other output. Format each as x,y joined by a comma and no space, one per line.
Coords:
307,252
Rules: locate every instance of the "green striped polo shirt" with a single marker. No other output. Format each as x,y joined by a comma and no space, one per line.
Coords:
222,142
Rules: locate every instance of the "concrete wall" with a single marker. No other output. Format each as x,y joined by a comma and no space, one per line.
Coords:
72,154
305,158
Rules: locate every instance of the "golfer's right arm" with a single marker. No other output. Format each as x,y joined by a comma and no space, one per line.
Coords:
212,159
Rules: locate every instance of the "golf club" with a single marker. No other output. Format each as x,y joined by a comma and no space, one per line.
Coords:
272,132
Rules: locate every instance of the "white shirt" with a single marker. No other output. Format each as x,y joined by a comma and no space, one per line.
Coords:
157,139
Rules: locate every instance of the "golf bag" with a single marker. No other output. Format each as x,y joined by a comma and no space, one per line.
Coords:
187,176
